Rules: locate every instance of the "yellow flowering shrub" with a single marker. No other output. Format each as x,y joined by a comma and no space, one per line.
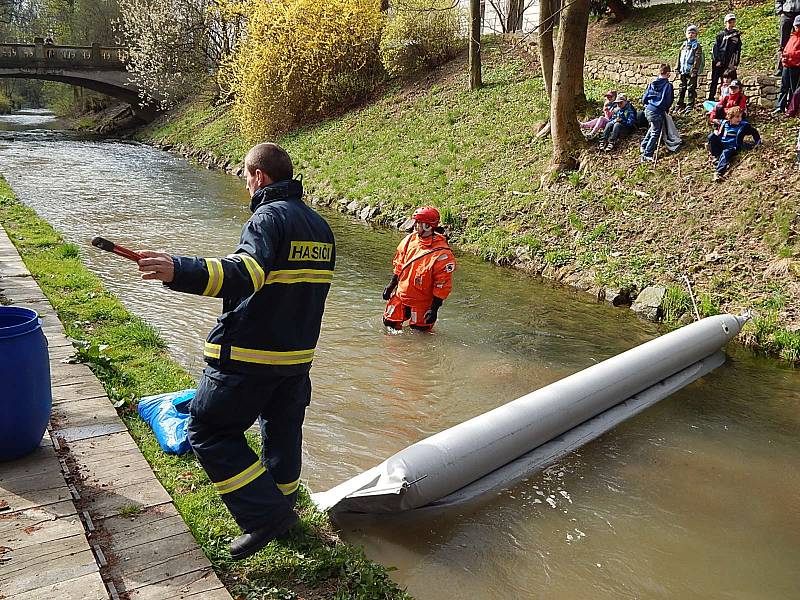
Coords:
300,60
421,34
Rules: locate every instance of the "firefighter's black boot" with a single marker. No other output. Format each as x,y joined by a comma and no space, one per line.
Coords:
251,542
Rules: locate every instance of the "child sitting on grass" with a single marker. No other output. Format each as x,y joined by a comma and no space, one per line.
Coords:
596,125
729,139
724,89
622,122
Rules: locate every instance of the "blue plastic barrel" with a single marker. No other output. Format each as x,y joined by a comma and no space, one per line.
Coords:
25,398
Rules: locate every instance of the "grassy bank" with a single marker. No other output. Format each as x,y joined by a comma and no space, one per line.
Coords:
659,31
130,359
615,223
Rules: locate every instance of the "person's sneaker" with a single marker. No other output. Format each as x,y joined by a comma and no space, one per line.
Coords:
688,110
609,146
647,158
601,145
251,542
717,176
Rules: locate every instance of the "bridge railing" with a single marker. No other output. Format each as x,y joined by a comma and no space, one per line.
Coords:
44,56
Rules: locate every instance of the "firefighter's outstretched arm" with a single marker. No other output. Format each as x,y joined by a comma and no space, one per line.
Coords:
235,275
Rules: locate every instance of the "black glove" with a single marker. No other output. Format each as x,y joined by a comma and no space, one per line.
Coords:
389,289
432,314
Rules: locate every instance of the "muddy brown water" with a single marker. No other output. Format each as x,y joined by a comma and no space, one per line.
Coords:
697,497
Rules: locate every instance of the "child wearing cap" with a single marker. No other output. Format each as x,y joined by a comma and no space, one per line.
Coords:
726,52
790,77
724,89
729,139
599,123
735,97
622,122
690,65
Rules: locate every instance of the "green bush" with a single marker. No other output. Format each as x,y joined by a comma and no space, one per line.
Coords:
420,35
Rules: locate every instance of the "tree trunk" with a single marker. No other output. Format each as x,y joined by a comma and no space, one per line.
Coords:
475,81
567,82
514,19
546,52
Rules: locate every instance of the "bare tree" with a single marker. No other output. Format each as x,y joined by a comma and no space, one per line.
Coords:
546,51
567,83
510,13
475,80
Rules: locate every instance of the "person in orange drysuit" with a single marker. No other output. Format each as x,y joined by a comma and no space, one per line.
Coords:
423,274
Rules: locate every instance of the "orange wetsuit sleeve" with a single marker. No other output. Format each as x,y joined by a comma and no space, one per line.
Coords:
443,268
400,255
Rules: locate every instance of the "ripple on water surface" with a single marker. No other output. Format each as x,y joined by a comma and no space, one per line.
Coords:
693,498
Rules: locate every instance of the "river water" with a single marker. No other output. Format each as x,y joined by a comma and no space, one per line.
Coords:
697,497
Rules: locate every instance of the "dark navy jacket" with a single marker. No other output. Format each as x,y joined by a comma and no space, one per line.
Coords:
273,286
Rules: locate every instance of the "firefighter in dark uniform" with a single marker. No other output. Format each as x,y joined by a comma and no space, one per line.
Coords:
259,354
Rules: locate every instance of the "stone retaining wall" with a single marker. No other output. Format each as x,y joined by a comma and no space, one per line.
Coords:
637,72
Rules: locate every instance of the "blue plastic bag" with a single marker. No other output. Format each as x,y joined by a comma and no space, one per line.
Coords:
168,416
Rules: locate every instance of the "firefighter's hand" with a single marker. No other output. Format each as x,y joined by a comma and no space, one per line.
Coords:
433,312
157,265
389,289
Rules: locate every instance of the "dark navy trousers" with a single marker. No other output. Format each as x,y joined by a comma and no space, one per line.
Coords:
723,153
254,489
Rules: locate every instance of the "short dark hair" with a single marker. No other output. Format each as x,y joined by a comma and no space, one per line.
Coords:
664,69
271,159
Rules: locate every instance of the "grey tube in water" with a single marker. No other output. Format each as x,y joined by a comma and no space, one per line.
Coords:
577,408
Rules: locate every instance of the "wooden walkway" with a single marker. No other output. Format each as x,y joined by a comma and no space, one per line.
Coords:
66,529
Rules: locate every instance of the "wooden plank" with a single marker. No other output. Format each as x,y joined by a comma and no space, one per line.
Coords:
86,587
37,526
107,503
71,375
147,526
158,566
195,585
38,566
58,509
84,389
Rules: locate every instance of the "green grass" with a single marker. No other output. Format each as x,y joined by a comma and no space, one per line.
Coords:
659,31
130,359
475,156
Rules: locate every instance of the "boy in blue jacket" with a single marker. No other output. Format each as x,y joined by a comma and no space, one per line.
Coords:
657,101
729,139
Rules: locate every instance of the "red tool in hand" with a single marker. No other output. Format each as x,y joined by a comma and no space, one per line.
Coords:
109,246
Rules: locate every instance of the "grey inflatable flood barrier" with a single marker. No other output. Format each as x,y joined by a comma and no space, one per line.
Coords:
517,439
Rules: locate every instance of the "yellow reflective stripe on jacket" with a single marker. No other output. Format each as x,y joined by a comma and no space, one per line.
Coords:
215,276
240,479
255,270
272,357
300,276
288,488
262,357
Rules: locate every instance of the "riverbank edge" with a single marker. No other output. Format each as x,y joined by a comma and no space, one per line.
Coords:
130,359
762,334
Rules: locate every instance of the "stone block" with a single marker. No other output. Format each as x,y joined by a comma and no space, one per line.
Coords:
648,302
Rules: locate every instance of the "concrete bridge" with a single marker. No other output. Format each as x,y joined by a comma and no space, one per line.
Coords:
95,67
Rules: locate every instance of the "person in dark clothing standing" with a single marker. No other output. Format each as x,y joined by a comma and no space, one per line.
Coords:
788,11
259,354
726,52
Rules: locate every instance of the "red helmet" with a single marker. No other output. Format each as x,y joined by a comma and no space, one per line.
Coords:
426,214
